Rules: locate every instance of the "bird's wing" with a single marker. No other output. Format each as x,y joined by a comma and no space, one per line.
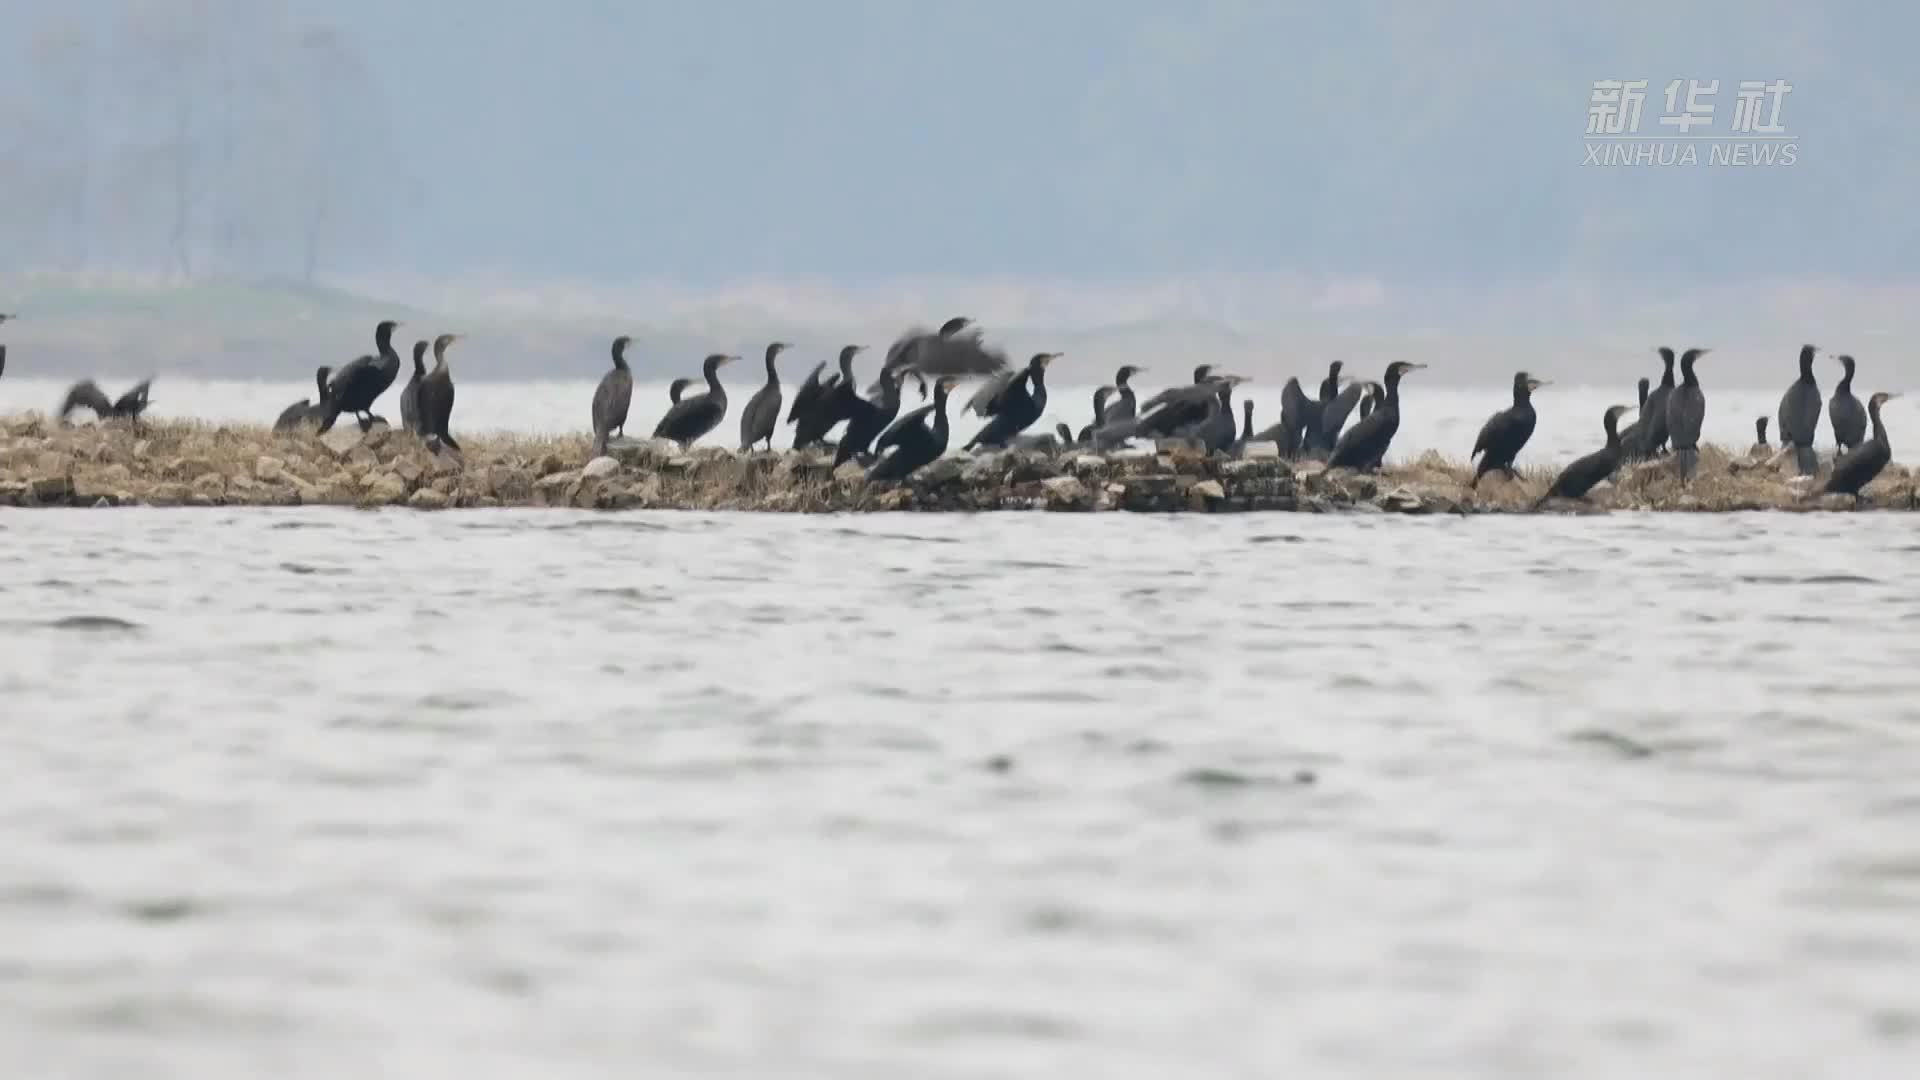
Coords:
986,400
1488,431
897,431
1337,411
85,393
963,354
809,389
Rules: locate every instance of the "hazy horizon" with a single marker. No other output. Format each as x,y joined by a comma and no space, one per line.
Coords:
1267,185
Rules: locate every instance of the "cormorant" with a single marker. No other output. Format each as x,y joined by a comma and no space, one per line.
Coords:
436,394
868,418
357,384
1190,401
1761,447
1364,446
86,393
1848,417
698,414
1686,412
911,442
613,396
1631,435
304,411
1580,477
1299,425
1124,407
1506,432
1334,412
1653,419
1857,468
1215,432
762,413
676,388
956,349
1049,442
1800,415
410,393
3,359
1017,405
1100,398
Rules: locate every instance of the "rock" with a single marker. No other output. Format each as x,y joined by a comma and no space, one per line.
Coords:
1261,450
552,490
442,461
382,489
1309,468
681,463
1066,493
849,472
269,470
938,474
409,471
1402,501
51,489
599,467
428,499
508,484
1206,494
14,492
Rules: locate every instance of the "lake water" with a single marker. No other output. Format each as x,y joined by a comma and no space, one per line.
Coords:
325,793
1442,417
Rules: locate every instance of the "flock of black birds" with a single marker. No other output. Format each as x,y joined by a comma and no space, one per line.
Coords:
892,446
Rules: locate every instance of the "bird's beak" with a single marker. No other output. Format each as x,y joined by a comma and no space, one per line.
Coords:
1535,384
1344,380
1890,397
728,359
1050,358
859,348
1701,353
1417,367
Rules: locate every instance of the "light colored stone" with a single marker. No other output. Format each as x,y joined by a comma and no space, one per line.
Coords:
382,489
600,466
428,499
1260,450
1065,492
849,471
49,489
269,470
1208,490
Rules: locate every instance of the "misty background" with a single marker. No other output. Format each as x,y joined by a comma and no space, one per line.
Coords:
242,187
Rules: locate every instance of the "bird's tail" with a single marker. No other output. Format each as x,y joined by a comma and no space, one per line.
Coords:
1807,460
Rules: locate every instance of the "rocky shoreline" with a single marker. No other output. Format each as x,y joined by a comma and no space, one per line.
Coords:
187,464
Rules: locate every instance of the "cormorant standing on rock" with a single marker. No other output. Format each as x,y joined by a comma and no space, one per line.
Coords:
1100,410
1580,477
868,419
410,393
1180,405
694,416
1653,419
1800,415
304,411
360,382
762,413
1631,435
1761,447
1124,406
911,442
1857,468
1686,412
1506,432
817,404
86,393
436,395
1365,446
3,359
1017,406
614,395
1216,430
1848,417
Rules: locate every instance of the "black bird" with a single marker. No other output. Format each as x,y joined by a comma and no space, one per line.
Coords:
614,395
1046,441
3,359
762,413
1100,398
694,416
1857,468
304,411
869,418
410,393
1365,445
1506,432
1686,412
1215,431
911,442
436,395
817,403
1188,403
1654,419
357,384
1800,415
1848,417
1631,435
86,393
1017,406
1299,423
1580,477
1369,397
1334,411
1123,406
676,388
1761,447
955,349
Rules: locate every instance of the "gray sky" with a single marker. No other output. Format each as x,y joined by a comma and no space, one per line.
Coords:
1365,168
